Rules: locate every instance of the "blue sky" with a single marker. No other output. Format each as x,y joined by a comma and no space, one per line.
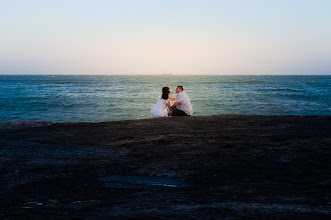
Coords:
155,37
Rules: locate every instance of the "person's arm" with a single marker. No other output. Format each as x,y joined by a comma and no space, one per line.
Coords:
174,105
172,99
170,110
168,105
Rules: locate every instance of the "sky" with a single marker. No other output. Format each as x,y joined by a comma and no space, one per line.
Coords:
161,37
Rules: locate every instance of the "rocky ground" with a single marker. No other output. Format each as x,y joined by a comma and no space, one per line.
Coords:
225,166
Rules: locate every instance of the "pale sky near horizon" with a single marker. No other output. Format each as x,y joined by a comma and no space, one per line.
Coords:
173,36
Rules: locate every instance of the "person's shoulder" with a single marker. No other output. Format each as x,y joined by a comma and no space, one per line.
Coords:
182,93
185,94
165,100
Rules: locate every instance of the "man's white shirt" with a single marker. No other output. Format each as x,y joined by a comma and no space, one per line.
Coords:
184,103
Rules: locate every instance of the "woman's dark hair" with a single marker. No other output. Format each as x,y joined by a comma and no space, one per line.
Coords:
165,92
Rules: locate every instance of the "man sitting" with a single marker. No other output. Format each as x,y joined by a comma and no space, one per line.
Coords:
182,105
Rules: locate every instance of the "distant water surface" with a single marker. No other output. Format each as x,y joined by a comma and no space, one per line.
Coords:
108,98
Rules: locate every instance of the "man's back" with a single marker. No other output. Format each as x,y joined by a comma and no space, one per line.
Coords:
184,103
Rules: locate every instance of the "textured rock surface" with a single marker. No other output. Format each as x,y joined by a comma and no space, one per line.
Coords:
226,166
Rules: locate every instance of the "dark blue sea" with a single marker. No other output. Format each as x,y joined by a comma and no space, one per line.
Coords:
107,98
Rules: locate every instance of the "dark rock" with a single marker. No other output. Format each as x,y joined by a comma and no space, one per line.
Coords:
224,166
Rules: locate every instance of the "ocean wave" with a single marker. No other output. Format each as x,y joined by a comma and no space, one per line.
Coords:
112,98
250,81
19,124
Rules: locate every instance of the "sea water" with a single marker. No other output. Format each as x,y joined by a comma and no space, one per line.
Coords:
107,98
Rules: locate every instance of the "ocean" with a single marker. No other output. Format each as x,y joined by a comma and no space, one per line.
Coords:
96,98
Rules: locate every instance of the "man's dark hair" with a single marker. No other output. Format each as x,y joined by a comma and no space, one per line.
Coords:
165,92
181,87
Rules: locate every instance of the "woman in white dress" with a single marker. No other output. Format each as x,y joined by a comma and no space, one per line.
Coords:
160,108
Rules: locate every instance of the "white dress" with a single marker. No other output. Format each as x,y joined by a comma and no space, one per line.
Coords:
160,108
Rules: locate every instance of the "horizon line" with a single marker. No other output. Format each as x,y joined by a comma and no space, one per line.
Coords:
173,74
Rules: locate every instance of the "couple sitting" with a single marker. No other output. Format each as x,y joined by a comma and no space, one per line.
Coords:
181,107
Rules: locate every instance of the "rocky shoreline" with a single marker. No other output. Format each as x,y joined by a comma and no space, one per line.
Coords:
223,166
